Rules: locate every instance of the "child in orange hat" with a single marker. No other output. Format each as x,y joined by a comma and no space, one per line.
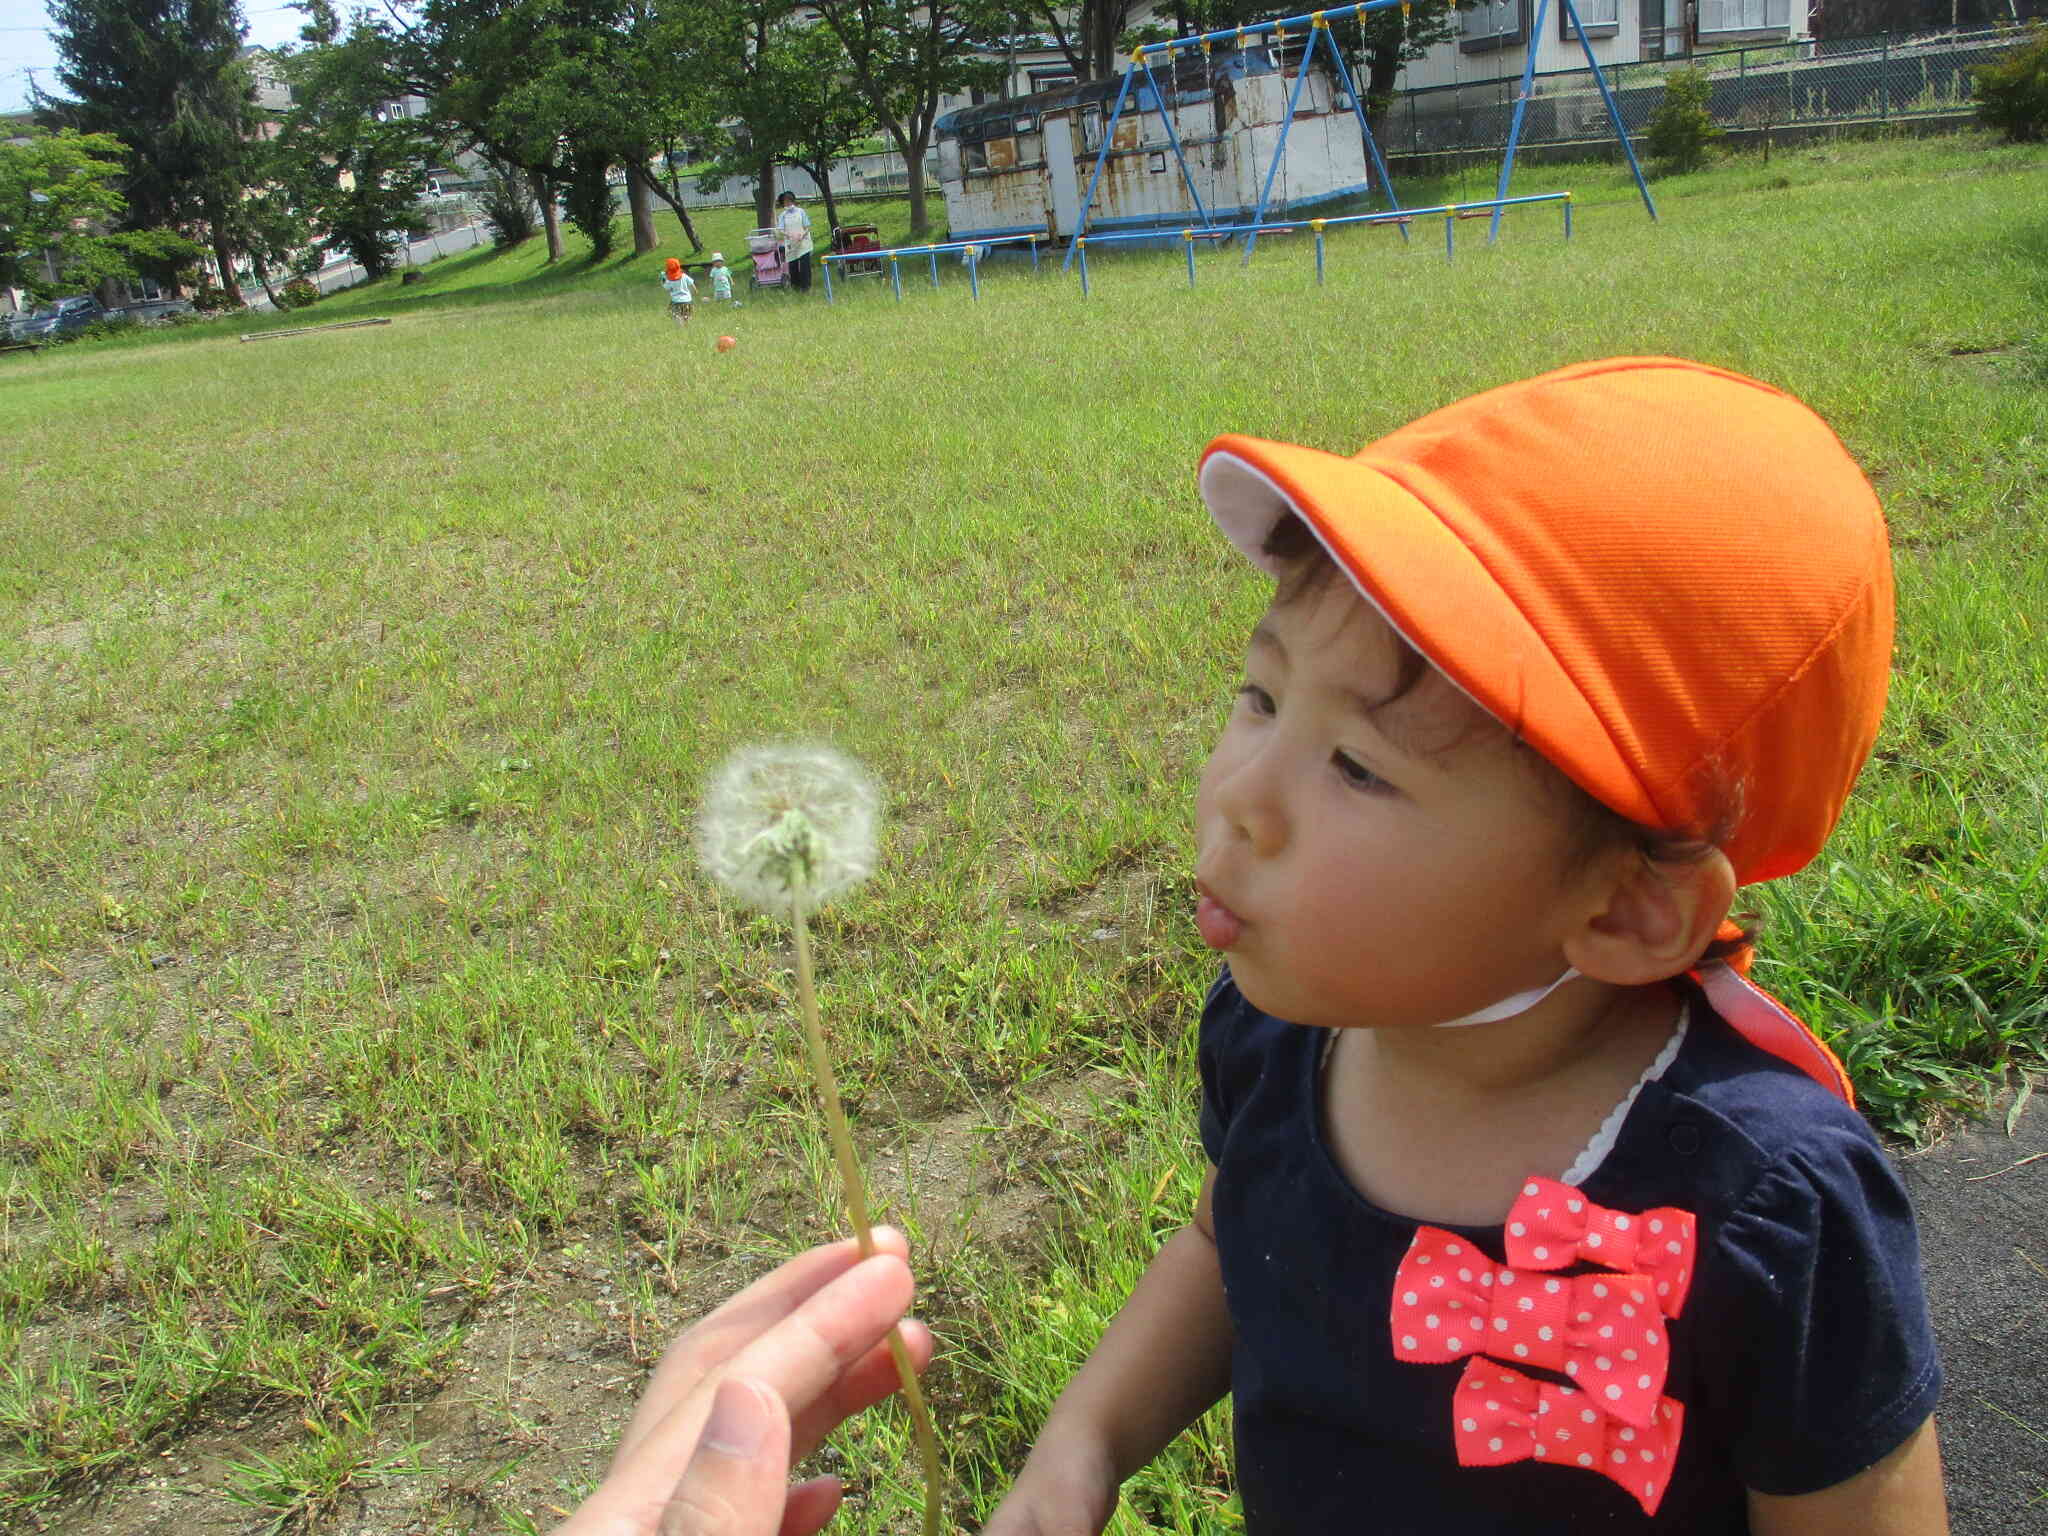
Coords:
682,290
1526,1210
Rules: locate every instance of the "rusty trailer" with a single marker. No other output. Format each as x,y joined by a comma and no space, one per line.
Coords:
1023,163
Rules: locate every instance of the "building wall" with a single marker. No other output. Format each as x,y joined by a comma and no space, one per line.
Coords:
1619,31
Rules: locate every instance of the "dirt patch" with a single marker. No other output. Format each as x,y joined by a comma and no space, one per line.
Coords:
550,1366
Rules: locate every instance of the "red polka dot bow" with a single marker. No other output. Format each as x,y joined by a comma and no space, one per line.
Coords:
1554,1225
1603,1331
1504,1416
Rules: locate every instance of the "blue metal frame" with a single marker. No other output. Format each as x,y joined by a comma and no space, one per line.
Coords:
1101,156
1316,29
1319,21
1173,138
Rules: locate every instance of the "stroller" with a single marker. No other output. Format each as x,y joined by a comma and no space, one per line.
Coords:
857,237
764,250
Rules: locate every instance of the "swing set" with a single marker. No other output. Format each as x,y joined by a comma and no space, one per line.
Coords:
1317,24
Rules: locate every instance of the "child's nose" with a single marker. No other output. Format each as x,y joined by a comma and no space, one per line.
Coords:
1249,800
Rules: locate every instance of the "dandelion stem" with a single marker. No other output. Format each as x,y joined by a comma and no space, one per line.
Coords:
857,1209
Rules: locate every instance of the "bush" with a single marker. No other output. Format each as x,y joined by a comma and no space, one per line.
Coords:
591,204
1681,128
297,294
507,205
2012,95
212,299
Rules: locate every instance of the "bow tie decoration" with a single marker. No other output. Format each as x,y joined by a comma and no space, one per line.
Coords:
1502,1416
1554,1225
1603,1331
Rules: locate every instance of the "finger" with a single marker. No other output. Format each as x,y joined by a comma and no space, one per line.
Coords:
811,1505
863,1384
714,1339
799,1359
737,1476
805,1355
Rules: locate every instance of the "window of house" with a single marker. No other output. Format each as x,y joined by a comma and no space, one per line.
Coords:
1600,18
1722,16
1050,79
1493,24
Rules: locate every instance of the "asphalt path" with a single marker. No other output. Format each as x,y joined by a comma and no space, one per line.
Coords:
1983,1211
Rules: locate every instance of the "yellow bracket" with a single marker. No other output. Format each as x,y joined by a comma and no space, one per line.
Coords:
1205,47
1317,24
1137,56
1316,225
1404,9
1080,243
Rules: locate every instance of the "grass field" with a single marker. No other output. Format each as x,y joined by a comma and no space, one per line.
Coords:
380,1083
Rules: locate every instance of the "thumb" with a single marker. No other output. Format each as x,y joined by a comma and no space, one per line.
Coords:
738,1475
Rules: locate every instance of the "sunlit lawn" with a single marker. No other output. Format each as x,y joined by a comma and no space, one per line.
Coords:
379,1082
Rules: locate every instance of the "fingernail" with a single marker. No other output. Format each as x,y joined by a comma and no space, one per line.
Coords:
735,1427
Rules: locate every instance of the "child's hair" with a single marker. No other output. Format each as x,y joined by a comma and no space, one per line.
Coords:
673,270
1303,568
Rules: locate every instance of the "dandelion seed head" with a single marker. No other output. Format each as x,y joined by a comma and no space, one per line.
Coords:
789,821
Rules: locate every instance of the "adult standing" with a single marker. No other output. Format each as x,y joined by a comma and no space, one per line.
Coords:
793,225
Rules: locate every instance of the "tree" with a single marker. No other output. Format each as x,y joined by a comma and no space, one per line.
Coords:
468,57
353,166
58,199
907,55
165,78
797,97
1090,34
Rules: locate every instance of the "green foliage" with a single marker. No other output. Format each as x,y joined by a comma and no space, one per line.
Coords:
1681,128
60,193
357,174
212,299
508,205
168,81
908,55
298,293
2012,94
591,201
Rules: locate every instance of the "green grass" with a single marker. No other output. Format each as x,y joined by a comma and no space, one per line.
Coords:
380,1083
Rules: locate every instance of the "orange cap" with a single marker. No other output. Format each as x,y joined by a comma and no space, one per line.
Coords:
674,269
1670,580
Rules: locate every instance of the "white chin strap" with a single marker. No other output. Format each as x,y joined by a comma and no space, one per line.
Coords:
1508,1007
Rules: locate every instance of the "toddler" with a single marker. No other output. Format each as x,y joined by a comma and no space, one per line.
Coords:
721,280
682,291
1526,1212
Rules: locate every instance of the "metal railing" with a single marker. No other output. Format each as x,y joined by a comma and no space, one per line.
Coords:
1762,86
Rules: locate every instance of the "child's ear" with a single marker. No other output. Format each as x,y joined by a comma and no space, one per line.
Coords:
1650,919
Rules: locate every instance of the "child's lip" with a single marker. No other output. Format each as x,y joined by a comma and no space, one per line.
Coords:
1220,927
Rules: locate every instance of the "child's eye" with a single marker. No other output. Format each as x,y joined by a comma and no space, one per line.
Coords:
1357,775
1256,699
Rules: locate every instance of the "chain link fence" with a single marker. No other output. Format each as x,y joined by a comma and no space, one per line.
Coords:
1808,80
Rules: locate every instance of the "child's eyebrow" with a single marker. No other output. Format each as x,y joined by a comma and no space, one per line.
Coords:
1374,710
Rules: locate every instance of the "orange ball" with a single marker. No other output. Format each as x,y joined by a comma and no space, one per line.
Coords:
726,343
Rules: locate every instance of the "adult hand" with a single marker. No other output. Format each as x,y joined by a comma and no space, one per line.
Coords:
753,1388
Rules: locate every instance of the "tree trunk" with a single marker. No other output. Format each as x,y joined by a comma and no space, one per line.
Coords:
645,238
913,162
263,276
821,173
764,194
673,196
550,215
224,257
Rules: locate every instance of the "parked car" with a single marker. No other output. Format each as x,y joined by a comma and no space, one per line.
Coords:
58,319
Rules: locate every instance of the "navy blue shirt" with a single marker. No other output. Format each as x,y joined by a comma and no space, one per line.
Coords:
1803,1354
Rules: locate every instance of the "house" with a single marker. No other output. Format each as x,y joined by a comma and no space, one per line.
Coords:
1493,36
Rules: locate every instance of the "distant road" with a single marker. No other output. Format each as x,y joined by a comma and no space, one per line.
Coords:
343,274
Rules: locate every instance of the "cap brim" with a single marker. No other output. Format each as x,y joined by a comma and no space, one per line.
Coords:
1430,586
